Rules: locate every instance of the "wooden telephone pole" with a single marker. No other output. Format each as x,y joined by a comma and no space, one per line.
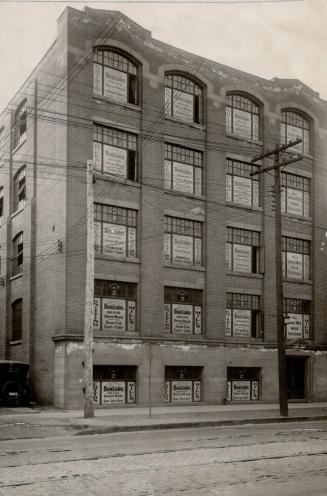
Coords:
282,371
89,290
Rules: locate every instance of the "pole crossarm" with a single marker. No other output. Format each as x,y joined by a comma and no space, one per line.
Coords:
276,150
280,164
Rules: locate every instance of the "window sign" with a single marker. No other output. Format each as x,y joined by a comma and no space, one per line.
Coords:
167,391
306,204
197,390
97,78
241,322
183,177
131,398
293,326
113,314
197,251
182,249
97,237
167,318
294,202
228,256
183,105
294,133
242,123
167,175
96,392
242,190
242,258
181,391
115,84
306,266
97,155
306,326
241,390
114,240
113,392
168,100
255,193
255,390
167,251
96,313
115,160
229,188
228,319
198,181
294,265
132,242
229,391
197,320
182,318
131,316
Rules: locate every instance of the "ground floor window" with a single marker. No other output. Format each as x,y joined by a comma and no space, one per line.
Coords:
183,311
243,316
242,383
183,384
114,384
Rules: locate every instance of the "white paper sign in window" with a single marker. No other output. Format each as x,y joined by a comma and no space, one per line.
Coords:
115,85
97,237
197,390
242,190
97,79
167,252
228,256
167,174
242,258
306,326
132,242
114,240
181,391
294,201
228,322
131,316
183,177
229,197
96,313
167,391
183,105
113,314
96,392
182,318
182,249
197,251
241,390
167,318
115,160
294,326
294,133
294,265
113,392
131,392
255,390
241,322
242,123
197,320
97,156
306,207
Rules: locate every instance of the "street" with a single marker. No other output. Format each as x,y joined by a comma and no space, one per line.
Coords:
274,459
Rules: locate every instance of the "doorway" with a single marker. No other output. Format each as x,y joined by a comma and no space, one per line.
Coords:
296,374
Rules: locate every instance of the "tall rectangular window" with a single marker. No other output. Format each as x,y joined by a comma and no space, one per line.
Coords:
297,318
20,121
243,317
183,241
296,258
183,311
183,169
242,117
115,230
17,320
20,188
183,384
18,254
115,152
242,250
1,205
183,99
114,306
295,126
2,146
295,196
241,187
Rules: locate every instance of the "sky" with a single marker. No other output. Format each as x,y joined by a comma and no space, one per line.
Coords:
286,39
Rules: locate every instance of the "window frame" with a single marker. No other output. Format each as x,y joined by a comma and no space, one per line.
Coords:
119,61
115,290
239,102
106,136
177,226
300,247
296,306
114,376
176,154
175,296
177,83
20,124
119,216
243,237
300,184
189,374
19,187
18,254
252,376
300,122
247,302
242,170
17,320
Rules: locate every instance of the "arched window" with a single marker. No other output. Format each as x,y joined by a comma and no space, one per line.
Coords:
19,188
242,117
294,126
183,98
115,76
20,124
17,320
18,254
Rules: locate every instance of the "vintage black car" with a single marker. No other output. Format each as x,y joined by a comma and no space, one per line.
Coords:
14,387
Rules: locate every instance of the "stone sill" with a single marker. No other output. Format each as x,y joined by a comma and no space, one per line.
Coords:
184,194
200,127
16,276
244,274
106,99
246,140
245,207
170,265
101,256
15,343
111,177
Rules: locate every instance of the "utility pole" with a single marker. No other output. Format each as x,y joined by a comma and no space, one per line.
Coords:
89,290
282,371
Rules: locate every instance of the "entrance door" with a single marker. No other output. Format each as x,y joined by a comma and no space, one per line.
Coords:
296,378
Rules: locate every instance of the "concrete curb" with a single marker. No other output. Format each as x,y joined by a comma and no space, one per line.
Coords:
88,431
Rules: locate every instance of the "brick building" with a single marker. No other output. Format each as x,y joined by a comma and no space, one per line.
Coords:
184,293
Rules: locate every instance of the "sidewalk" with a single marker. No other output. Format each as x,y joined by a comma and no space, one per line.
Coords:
19,423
